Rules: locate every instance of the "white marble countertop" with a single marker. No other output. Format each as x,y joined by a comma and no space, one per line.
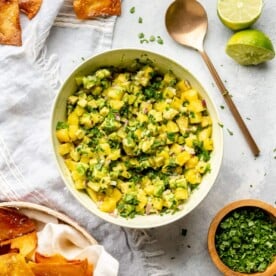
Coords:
254,92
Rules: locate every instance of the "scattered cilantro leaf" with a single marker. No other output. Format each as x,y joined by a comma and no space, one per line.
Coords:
231,133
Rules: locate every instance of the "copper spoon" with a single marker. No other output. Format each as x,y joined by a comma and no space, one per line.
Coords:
186,22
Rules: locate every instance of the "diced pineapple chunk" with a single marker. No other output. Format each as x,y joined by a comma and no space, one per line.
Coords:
73,132
71,165
79,184
64,148
116,104
196,106
206,121
181,193
157,203
189,95
192,162
63,135
183,85
172,127
73,118
205,133
182,158
195,118
92,194
182,123
108,205
193,176
208,144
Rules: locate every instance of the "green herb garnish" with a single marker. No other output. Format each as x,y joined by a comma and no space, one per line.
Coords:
140,20
61,125
246,240
230,132
159,40
132,10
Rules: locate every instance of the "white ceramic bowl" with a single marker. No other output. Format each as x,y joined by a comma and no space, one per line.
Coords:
124,57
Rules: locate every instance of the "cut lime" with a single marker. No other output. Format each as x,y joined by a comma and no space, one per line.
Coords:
239,14
250,47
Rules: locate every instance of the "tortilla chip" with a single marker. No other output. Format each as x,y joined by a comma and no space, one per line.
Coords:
10,30
57,258
14,224
86,9
30,7
25,245
14,264
79,268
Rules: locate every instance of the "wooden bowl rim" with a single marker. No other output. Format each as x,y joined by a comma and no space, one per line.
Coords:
215,223
32,206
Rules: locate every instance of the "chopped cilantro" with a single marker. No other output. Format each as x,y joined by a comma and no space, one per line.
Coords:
245,240
140,20
222,107
141,35
152,38
230,132
221,125
159,40
61,125
144,40
132,10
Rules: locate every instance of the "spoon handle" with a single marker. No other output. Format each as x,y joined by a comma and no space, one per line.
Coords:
228,99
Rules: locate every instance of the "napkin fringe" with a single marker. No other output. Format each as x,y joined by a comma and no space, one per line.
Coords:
19,186
49,67
141,238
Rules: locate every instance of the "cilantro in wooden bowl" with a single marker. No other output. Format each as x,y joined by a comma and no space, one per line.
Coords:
242,239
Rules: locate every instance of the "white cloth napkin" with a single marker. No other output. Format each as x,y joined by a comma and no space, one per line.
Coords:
29,79
66,241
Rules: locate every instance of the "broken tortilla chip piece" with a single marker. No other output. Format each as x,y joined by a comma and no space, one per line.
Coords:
79,268
14,224
86,9
10,30
14,264
30,7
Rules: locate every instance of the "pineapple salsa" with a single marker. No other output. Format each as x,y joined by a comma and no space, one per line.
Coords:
137,141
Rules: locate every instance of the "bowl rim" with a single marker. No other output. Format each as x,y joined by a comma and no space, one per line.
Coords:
43,209
213,228
125,222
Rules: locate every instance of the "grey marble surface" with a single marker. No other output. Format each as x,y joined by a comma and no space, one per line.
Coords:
254,92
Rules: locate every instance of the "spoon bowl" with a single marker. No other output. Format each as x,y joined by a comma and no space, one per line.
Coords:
189,30
186,22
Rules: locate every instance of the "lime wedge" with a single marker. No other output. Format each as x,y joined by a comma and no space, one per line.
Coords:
239,14
250,47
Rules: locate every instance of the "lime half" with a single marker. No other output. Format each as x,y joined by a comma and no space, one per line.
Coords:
239,14
250,47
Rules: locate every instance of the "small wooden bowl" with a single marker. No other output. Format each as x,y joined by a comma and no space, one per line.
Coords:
271,269
50,212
